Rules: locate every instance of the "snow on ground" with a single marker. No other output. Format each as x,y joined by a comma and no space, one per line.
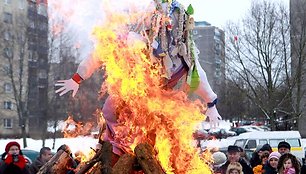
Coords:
83,144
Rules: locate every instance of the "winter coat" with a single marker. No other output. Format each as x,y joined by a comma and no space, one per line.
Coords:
36,165
8,166
268,169
246,168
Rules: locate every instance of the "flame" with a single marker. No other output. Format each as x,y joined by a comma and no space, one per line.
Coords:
83,156
144,109
75,129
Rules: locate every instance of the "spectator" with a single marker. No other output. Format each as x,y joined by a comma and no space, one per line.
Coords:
255,159
266,147
259,169
13,160
234,168
288,164
219,159
233,155
271,166
283,147
45,155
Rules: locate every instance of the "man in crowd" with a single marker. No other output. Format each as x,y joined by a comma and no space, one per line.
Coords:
233,155
45,155
283,147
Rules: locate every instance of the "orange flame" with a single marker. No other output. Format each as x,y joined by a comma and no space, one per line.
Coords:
144,109
74,129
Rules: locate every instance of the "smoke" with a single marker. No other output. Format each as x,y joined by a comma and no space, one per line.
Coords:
77,18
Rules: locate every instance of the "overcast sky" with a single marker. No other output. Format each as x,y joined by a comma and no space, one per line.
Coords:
84,15
218,12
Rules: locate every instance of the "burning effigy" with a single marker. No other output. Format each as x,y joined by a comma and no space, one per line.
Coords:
151,64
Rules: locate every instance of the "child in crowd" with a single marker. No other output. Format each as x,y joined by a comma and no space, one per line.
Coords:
270,167
234,168
288,164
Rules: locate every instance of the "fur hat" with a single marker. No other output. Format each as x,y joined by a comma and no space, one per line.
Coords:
219,158
284,144
10,144
274,155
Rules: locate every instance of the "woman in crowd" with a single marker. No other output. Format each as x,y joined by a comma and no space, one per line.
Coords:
13,161
288,164
259,169
234,168
271,165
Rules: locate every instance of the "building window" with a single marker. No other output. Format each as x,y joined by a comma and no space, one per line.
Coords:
6,69
7,35
218,74
7,87
7,1
8,123
21,4
42,74
8,105
8,52
32,24
8,18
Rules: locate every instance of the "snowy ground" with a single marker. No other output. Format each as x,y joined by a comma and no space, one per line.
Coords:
85,144
81,143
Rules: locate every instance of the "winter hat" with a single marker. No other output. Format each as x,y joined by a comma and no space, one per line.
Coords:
274,155
284,144
258,148
10,144
219,158
266,147
233,148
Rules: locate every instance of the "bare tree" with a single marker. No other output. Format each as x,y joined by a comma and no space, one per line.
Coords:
258,53
15,49
63,55
298,54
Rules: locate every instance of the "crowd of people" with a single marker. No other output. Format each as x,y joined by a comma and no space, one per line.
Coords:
14,162
263,161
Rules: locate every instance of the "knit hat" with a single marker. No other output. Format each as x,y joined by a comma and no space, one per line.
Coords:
266,147
284,144
274,155
258,148
219,158
10,144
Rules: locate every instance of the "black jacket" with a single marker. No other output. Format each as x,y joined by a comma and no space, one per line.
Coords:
246,168
269,169
36,165
12,169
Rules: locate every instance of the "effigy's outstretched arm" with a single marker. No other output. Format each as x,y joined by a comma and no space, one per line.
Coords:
207,94
85,70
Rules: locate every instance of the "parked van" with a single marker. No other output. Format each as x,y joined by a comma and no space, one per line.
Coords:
251,140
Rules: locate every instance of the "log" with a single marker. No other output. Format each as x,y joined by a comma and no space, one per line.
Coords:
106,157
61,162
124,164
145,155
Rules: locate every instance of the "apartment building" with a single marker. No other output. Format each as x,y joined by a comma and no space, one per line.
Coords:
13,66
23,64
210,42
